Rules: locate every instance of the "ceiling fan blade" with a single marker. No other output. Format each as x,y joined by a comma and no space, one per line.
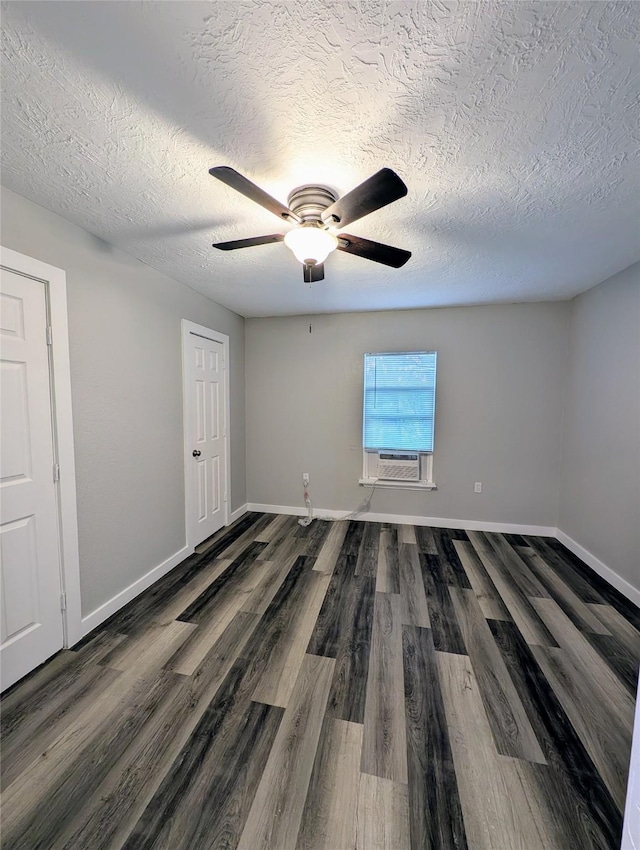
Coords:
248,243
234,179
313,272
376,251
377,191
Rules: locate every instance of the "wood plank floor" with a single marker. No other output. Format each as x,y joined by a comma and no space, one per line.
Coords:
344,686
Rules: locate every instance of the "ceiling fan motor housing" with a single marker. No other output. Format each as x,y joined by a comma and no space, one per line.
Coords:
309,202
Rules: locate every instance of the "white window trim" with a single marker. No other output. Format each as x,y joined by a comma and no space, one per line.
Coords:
398,485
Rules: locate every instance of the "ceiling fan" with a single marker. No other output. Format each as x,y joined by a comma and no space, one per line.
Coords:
315,210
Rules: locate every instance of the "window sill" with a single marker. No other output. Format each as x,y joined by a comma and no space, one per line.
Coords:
398,485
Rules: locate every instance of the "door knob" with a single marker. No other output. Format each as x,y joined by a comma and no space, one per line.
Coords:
196,453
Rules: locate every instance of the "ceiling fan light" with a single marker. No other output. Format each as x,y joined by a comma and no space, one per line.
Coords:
310,244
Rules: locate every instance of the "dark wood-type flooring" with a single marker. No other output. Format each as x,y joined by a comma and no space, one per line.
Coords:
345,686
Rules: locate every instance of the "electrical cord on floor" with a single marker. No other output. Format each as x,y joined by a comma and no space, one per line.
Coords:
361,509
307,520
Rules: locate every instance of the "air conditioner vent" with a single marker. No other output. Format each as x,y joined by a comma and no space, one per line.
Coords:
396,466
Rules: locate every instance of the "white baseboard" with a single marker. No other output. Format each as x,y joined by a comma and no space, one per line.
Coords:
92,620
120,599
238,513
437,522
116,602
632,593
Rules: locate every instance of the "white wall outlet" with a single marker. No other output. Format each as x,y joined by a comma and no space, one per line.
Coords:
477,487
305,479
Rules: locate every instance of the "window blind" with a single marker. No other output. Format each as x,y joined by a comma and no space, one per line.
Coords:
399,401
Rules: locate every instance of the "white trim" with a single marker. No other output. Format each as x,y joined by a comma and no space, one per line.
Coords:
605,572
238,513
116,602
398,485
91,621
436,522
55,282
622,585
189,328
631,823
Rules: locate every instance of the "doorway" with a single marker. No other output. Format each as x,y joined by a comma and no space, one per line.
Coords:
205,363
39,567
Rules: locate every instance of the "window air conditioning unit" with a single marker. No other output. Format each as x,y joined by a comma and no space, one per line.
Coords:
398,466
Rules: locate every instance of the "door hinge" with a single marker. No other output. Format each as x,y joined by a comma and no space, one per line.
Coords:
49,335
225,497
63,601
56,472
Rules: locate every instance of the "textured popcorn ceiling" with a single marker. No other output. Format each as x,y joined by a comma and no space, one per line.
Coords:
514,125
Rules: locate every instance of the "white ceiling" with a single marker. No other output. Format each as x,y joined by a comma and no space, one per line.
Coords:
514,125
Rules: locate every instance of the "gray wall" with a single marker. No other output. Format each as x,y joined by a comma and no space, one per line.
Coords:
125,343
502,376
498,412
600,471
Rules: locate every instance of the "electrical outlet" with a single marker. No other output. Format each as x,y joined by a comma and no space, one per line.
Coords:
305,479
477,487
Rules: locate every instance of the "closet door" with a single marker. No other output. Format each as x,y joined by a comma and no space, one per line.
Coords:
31,625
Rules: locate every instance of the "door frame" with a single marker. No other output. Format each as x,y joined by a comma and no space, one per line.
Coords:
189,329
55,284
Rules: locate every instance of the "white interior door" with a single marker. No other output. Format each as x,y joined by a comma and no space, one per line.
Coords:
31,627
206,433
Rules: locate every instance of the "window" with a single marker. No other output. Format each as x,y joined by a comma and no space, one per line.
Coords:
398,417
